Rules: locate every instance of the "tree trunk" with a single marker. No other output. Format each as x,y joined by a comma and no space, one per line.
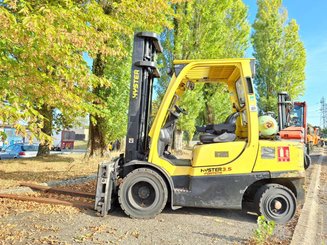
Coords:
189,139
47,113
178,140
208,92
123,144
209,116
97,143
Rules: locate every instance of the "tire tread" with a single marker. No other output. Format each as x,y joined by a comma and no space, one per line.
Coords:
260,195
134,172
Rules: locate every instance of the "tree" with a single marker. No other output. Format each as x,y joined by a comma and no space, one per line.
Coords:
112,123
279,53
129,16
43,74
187,122
294,61
204,29
44,77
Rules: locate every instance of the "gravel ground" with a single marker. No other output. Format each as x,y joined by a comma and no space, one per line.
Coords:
195,226
31,223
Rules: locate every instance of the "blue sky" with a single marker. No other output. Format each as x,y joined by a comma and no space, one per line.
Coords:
311,17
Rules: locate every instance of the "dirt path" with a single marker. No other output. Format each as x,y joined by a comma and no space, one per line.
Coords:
185,226
31,223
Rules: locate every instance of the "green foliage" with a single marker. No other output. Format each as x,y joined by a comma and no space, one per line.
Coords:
186,122
279,53
210,29
117,71
3,136
130,16
42,65
41,59
220,104
204,29
264,230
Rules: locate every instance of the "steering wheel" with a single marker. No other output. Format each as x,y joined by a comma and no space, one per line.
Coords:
180,110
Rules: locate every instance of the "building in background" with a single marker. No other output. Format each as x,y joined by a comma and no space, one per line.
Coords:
64,139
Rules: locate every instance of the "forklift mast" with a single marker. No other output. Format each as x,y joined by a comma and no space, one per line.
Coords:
303,107
288,127
284,108
144,70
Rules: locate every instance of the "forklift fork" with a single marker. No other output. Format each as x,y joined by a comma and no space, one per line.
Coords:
105,188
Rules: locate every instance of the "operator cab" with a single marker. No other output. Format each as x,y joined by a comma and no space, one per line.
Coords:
217,136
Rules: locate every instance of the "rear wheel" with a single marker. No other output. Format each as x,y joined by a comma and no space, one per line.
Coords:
307,161
276,203
143,194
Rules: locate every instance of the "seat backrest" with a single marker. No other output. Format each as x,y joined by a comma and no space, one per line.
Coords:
231,119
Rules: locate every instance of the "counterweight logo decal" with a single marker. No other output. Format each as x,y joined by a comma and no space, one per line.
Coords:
214,171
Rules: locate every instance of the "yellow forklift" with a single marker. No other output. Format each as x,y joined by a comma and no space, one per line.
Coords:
230,167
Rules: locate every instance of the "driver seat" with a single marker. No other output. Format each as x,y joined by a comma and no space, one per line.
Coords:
216,133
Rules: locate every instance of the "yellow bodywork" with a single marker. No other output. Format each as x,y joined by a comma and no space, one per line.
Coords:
272,164
214,154
242,156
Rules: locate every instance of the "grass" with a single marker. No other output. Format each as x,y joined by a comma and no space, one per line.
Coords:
80,144
44,169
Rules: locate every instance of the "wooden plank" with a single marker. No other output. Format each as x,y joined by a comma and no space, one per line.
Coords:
48,201
59,190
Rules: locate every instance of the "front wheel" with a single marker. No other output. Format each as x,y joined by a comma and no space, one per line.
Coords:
276,203
143,194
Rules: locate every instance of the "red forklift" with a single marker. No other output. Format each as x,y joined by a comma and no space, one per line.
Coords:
292,120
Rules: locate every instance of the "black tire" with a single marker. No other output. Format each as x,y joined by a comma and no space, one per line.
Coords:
143,194
307,147
307,161
270,195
